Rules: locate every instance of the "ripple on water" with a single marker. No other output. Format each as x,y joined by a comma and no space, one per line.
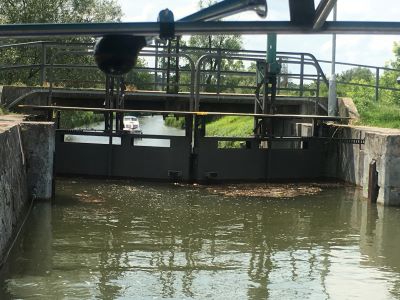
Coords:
124,240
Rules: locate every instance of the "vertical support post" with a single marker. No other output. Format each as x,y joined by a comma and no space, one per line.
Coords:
266,80
273,68
58,119
112,85
271,48
120,104
373,187
189,136
332,96
177,76
169,66
278,78
302,75
219,71
377,78
163,71
155,68
107,104
43,65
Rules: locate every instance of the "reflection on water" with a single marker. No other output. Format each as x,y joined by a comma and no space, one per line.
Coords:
125,240
148,124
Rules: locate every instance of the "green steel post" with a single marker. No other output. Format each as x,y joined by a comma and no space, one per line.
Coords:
271,48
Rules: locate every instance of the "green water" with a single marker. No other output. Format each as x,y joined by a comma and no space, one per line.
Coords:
125,240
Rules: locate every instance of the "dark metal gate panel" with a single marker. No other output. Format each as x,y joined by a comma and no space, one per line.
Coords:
247,163
124,160
153,162
294,164
252,163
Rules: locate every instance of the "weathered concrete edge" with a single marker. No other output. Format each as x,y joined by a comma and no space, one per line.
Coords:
26,169
39,146
350,162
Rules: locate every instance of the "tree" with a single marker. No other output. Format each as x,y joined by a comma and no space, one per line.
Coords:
216,43
389,78
356,74
50,11
59,11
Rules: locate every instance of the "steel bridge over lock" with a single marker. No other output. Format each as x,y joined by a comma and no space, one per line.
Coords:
290,140
293,151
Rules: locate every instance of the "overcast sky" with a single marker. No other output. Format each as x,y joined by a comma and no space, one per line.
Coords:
361,49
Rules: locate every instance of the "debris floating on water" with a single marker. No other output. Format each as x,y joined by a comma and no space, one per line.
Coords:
290,190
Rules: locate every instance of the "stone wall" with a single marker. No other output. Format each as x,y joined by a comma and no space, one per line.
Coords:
13,184
351,162
26,168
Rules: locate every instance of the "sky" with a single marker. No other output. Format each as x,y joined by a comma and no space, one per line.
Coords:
360,49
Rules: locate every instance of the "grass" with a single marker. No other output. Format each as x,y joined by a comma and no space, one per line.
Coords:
384,115
231,126
225,126
380,115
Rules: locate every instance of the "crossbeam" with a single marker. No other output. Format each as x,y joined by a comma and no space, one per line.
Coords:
199,28
181,113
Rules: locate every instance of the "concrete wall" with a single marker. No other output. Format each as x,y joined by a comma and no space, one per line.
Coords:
13,185
351,162
38,140
26,164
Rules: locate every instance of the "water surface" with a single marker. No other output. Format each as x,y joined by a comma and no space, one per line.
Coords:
127,240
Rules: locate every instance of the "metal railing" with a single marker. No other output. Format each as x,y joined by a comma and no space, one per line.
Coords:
377,73
184,75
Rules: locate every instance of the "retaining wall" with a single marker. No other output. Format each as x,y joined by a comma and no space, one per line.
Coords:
26,165
351,162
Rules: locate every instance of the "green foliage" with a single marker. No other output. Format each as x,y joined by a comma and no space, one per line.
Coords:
52,11
175,122
381,115
139,80
74,119
386,112
59,11
214,44
231,126
233,42
356,74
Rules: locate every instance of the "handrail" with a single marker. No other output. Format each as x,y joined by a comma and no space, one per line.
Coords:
172,55
24,96
152,50
202,58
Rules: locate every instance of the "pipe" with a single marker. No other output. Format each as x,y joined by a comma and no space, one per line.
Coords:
227,8
323,10
332,94
201,28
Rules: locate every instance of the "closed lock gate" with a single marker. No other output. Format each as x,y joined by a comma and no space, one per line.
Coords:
194,156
